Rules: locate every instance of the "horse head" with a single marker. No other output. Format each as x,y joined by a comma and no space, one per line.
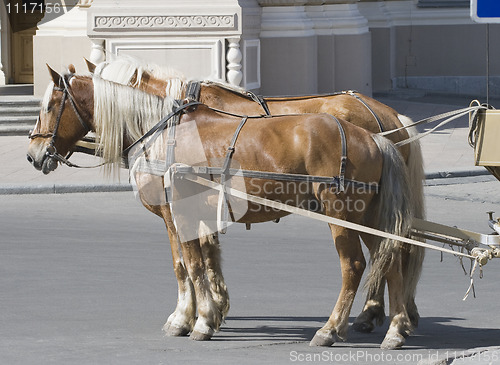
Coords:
65,117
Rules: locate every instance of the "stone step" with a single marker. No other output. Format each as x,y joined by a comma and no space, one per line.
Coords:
18,119
18,111
19,101
15,129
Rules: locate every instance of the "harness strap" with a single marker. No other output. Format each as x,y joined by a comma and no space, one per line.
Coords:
265,175
223,204
193,91
162,124
230,149
343,158
73,103
170,159
58,121
259,99
379,122
68,163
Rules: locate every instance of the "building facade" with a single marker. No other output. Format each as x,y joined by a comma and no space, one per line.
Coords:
276,47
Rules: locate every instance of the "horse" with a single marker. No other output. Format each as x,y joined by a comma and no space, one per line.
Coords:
305,144
353,107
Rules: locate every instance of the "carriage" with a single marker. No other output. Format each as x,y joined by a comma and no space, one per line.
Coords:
205,155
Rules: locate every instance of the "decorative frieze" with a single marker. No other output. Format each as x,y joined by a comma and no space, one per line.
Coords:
165,23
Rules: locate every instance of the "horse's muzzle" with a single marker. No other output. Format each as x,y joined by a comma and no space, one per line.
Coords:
45,164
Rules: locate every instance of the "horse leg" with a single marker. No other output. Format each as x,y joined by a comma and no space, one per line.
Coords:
352,264
181,321
209,315
211,253
373,312
400,326
151,194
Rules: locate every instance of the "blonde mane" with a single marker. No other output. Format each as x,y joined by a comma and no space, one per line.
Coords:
129,71
46,97
121,111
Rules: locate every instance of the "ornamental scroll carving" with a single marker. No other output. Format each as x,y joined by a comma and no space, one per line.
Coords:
85,3
173,22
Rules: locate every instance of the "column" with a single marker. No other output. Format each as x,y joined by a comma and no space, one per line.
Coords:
234,57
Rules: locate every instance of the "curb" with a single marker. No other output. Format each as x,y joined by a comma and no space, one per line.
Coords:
456,173
63,189
13,189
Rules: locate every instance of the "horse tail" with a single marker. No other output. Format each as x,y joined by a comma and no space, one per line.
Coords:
416,173
394,205
414,259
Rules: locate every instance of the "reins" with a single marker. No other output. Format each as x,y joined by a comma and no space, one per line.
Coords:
472,110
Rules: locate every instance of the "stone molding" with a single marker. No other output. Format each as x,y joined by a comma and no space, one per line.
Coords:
303,2
165,23
386,14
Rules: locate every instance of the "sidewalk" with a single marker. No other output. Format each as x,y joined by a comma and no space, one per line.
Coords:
446,154
18,176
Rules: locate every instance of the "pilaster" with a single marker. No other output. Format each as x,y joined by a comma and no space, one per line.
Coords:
289,50
203,40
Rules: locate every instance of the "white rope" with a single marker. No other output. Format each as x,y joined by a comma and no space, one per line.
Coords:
452,115
480,258
471,285
422,135
321,217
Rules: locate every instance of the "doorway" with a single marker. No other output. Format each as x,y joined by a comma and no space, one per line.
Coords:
23,16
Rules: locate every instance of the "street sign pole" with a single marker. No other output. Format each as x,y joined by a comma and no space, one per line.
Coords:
486,11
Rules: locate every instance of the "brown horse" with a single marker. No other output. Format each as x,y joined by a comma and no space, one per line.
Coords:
358,109
300,144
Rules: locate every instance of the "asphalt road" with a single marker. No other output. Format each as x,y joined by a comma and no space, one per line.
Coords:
87,279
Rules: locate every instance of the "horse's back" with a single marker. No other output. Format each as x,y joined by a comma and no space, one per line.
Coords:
309,144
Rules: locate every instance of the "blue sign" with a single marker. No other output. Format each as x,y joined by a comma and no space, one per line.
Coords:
485,11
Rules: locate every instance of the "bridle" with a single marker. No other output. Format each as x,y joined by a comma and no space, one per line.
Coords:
51,151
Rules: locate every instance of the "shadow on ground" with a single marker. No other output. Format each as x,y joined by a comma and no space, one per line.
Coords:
432,333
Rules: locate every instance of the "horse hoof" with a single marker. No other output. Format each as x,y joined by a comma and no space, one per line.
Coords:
364,327
198,336
172,331
392,342
322,340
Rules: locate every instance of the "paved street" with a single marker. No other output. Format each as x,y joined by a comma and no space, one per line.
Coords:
87,279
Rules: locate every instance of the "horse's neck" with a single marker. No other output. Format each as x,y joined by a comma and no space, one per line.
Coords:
220,97
162,88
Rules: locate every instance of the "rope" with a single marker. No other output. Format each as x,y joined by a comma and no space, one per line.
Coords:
478,259
318,216
452,115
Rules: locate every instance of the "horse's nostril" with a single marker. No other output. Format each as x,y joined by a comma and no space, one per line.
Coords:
29,158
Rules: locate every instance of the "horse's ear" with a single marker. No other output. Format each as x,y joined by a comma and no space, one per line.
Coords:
90,66
71,69
56,78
